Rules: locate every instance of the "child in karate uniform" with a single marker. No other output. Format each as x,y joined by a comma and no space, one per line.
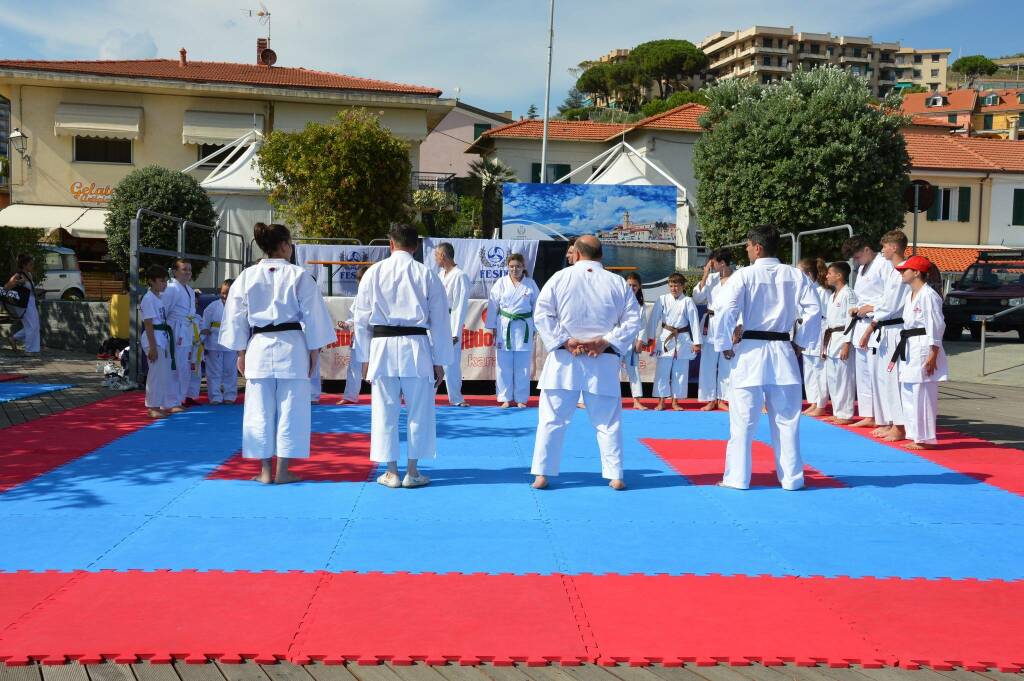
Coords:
157,343
631,360
510,316
676,326
221,373
836,345
921,358
815,376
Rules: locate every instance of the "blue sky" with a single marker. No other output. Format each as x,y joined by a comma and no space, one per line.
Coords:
493,52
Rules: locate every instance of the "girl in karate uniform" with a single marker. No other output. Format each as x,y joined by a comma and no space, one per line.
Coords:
510,316
837,343
676,325
922,360
277,320
631,360
713,379
815,380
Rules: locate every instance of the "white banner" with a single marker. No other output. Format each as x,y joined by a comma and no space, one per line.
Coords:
477,347
484,260
344,275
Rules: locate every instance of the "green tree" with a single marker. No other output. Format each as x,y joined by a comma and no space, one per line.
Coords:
972,66
492,174
531,113
166,191
17,240
580,114
657,106
596,81
913,90
668,62
573,100
346,178
804,153
626,82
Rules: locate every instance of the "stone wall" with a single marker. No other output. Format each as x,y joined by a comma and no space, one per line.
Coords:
74,325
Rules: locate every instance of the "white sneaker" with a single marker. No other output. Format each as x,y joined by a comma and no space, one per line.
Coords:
389,480
418,481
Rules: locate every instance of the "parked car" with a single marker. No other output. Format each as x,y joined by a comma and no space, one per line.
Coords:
993,284
61,278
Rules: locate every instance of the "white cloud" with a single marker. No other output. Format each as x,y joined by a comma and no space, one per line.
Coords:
118,44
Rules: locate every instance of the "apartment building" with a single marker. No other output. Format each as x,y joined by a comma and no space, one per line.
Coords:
985,113
770,53
925,68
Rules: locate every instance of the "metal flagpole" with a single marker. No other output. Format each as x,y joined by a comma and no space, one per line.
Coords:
547,97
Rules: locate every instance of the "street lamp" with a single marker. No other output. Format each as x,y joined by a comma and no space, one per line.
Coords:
19,141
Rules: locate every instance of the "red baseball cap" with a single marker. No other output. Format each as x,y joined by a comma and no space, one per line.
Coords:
918,263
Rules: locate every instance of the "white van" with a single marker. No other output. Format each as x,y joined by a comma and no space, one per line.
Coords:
61,278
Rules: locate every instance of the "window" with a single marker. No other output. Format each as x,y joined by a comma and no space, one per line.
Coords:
97,150
855,70
917,73
1020,98
555,171
856,52
917,59
767,42
480,128
1018,207
935,73
991,100
207,149
935,57
951,118
815,48
937,100
951,203
986,122
767,61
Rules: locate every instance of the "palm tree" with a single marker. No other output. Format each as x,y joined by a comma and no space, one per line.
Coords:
492,174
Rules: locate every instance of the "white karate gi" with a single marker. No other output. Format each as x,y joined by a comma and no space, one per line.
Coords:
276,417
840,373
631,360
885,392
400,291
771,297
456,287
672,372
868,287
815,375
157,394
180,302
513,338
315,384
221,369
713,376
28,334
920,391
583,301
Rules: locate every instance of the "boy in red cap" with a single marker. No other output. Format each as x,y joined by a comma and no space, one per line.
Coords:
921,359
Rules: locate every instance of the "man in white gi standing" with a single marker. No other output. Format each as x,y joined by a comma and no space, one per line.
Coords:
868,287
180,303
588,318
771,298
403,335
456,287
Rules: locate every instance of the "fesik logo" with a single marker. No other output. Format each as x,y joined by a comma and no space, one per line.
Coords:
492,257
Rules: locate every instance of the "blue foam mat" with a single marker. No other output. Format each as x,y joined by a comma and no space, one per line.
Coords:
15,391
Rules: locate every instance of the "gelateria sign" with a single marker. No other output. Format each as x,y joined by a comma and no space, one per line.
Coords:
90,193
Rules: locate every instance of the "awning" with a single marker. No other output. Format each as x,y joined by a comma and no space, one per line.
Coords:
208,127
95,120
81,222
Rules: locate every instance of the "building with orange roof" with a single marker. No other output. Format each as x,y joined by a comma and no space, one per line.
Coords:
985,113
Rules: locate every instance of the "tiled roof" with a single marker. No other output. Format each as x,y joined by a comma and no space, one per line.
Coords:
565,131
932,122
948,258
685,117
1008,101
942,152
959,100
221,72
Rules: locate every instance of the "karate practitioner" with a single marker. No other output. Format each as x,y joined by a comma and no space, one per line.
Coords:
837,342
510,316
180,303
195,381
773,299
19,294
221,372
882,337
919,353
277,320
354,374
713,379
676,326
588,318
871,272
631,360
456,287
815,375
156,343
404,336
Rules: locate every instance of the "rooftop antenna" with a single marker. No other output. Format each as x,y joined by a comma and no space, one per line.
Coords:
262,15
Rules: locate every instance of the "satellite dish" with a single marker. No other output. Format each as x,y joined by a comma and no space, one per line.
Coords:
268,57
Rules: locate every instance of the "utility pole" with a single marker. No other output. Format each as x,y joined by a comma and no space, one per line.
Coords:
547,98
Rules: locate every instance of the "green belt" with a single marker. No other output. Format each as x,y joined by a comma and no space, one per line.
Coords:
512,317
166,328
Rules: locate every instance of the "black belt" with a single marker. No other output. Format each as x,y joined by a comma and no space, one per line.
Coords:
271,328
385,331
767,335
607,351
900,355
886,322
853,323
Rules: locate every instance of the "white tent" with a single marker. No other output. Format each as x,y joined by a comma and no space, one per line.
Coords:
239,200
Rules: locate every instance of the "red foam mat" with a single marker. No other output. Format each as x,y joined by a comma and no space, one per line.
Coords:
333,457
11,377
501,618
701,461
36,447
21,591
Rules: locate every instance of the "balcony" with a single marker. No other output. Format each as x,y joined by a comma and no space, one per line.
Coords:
440,181
772,50
814,55
788,68
849,59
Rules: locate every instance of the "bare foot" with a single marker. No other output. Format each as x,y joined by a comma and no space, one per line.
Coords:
894,437
724,406
638,406
285,477
841,422
176,410
918,445
617,485
865,423
818,411
540,482
157,413
710,406
660,406
505,405
462,404
580,405
263,478
881,431
521,405
676,406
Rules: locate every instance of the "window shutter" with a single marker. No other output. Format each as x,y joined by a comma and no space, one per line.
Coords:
933,210
1018,207
964,212
535,172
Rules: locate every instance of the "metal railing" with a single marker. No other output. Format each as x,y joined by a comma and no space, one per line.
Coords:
428,180
985,319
